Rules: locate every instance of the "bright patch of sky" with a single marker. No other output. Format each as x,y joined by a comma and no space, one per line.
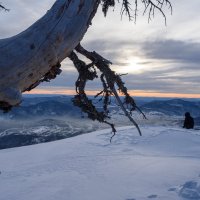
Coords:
156,57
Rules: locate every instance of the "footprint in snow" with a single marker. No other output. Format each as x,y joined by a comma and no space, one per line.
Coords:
172,189
131,199
153,196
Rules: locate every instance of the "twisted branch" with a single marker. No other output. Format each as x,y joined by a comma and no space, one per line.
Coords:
109,80
88,72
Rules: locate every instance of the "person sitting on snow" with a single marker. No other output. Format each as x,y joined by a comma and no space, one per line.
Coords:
189,121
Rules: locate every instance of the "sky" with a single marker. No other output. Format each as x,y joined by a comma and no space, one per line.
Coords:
158,59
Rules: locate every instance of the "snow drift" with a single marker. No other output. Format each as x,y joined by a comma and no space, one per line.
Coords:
162,164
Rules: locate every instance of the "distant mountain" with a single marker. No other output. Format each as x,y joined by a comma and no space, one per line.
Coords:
43,107
36,107
176,107
23,132
43,119
40,107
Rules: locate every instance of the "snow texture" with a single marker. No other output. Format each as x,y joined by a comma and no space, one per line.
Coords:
162,164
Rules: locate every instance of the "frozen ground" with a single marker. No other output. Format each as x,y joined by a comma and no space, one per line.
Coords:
163,164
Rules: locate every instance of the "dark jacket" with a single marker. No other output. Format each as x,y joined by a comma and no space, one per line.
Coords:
189,121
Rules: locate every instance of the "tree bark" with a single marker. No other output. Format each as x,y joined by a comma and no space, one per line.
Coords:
36,53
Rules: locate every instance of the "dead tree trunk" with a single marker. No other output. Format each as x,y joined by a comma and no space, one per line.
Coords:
35,54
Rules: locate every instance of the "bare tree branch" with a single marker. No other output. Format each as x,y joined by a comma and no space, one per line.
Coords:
4,8
149,7
109,80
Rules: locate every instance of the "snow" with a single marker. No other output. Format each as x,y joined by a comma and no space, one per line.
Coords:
163,164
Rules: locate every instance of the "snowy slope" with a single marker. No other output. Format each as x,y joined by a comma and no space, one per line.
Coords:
162,164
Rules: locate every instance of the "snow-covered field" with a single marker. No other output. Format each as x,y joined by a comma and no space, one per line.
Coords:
162,164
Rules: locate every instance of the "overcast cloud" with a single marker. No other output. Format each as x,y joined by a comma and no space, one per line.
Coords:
168,57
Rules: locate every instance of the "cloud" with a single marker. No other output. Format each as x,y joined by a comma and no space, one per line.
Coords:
22,14
163,81
114,50
170,55
167,50
172,50
177,65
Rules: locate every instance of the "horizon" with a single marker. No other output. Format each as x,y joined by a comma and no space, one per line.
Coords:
133,93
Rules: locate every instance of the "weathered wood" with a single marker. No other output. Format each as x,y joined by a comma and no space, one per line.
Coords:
27,58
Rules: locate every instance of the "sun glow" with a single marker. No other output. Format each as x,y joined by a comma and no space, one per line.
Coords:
133,65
